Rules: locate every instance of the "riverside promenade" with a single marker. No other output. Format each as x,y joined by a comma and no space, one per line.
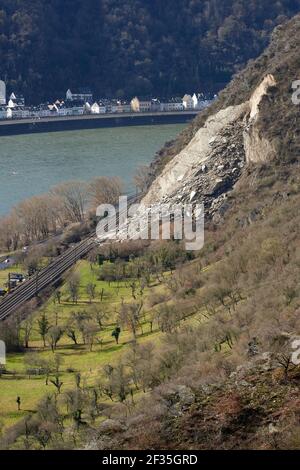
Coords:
71,123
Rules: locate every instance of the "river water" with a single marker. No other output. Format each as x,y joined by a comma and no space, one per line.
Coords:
31,164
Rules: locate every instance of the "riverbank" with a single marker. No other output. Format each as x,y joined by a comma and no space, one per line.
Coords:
71,123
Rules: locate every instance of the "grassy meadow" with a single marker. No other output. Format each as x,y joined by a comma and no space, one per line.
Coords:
76,358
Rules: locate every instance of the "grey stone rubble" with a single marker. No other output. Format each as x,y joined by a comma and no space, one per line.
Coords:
214,179
210,183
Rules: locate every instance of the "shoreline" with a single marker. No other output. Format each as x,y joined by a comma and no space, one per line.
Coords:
72,123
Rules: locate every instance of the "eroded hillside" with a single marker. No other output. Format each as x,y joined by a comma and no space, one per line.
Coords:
231,381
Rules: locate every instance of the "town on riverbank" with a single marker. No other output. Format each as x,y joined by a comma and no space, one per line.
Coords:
82,102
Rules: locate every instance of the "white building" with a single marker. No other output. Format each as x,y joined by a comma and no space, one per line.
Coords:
120,107
102,108
195,101
140,106
20,113
188,102
2,93
11,104
82,94
9,113
18,100
87,109
173,105
95,108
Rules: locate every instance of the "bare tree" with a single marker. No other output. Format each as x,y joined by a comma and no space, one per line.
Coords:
81,319
130,316
73,197
104,190
91,291
53,336
90,333
73,286
57,362
10,232
116,383
27,329
71,328
141,177
100,314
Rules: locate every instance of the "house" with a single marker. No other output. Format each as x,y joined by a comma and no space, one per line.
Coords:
145,106
9,113
87,109
140,105
204,103
53,109
124,107
187,102
119,107
135,105
195,101
84,95
2,93
75,108
174,104
102,108
95,108
19,112
17,100
155,105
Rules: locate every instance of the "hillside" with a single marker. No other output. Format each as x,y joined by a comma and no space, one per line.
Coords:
230,381
280,59
49,46
205,358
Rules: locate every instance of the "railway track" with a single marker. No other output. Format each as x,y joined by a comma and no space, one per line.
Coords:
49,275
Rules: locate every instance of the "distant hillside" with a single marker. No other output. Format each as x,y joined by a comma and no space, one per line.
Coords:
131,46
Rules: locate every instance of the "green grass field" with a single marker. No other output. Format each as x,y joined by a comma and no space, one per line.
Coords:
76,358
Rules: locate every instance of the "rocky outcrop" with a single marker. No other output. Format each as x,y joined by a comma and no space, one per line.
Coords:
209,167
184,167
258,148
261,91
211,164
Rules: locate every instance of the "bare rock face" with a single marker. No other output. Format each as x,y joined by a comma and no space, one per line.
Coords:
258,149
210,165
261,91
197,153
208,168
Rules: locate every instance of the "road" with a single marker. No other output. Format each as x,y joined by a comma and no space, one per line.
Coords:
91,117
6,262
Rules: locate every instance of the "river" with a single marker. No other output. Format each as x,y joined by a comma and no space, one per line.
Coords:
31,164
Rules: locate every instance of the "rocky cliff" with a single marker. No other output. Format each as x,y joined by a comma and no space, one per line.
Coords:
210,165
253,121
229,382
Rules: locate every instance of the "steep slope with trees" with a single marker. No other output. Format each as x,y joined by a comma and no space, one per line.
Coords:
218,369
231,381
